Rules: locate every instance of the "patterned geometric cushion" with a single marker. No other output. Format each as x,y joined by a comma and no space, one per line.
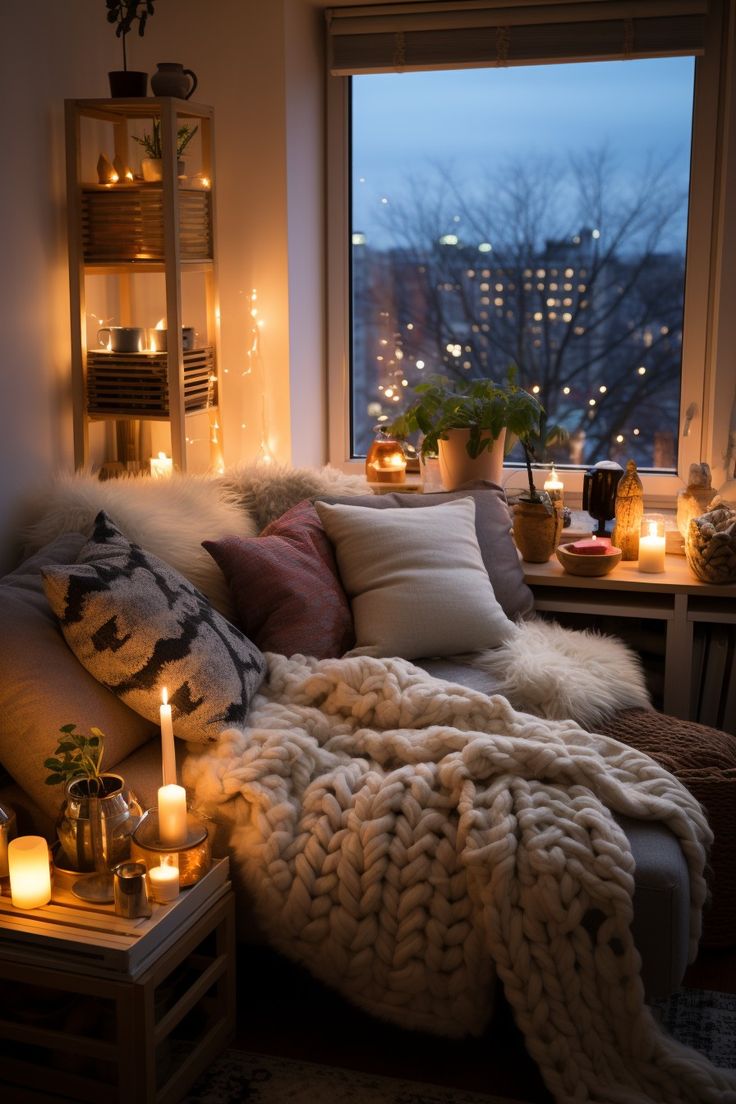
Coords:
137,625
285,586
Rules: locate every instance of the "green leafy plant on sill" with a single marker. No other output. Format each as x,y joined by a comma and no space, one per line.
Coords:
532,444
152,142
77,756
483,406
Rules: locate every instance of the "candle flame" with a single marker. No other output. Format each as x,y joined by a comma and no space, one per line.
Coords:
652,528
165,696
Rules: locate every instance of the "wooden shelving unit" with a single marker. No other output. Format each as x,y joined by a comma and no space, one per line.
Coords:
126,231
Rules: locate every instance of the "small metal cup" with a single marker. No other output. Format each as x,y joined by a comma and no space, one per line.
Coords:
131,890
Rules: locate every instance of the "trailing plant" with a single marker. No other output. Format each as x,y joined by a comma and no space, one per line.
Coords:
152,142
77,756
124,14
483,406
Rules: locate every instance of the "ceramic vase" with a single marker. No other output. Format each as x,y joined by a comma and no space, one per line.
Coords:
457,468
172,79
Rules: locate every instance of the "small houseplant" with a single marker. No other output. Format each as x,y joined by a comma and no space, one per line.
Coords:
96,817
475,420
124,13
151,165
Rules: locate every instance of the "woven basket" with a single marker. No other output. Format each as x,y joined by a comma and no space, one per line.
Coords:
710,546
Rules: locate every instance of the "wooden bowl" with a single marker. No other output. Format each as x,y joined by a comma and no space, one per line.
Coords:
579,563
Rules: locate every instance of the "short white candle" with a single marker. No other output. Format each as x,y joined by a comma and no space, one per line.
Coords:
30,876
161,466
164,881
172,815
168,748
651,549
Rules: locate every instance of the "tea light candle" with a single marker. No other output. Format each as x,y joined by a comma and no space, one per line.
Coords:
554,486
172,815
164,880
30,876
168,748
162,466
652,545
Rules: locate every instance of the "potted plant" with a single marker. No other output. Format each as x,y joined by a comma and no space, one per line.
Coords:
537,520
470,424
97,816
124,13
152,166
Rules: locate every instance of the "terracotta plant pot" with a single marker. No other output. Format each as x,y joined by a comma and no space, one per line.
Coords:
536,531
457,468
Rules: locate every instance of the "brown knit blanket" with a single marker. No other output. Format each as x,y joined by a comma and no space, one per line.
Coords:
704,760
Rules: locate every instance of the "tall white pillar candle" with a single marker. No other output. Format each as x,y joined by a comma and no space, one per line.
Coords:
168,748
30,876
652,546
172,815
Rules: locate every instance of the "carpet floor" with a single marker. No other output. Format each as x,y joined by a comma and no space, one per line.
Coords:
703,1019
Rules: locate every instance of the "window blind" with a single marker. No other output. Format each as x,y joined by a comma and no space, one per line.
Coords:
442,35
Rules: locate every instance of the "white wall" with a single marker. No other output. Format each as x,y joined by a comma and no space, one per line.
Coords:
239,49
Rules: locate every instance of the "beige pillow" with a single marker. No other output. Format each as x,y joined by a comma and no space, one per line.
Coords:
415,579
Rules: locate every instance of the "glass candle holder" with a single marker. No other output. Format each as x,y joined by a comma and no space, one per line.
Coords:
652,544
193,857
385,462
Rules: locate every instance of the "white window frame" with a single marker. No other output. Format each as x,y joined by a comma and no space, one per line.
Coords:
699,380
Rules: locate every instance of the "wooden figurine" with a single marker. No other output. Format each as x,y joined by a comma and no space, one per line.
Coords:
629,511
694,500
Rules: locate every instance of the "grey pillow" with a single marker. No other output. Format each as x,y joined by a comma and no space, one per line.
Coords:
43,686
137,625
492,528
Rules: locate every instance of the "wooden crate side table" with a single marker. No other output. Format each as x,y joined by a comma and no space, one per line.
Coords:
85,1017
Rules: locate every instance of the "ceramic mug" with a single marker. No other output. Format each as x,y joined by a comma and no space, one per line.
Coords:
158,339
121,339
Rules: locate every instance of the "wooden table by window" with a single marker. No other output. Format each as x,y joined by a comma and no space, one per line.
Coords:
698,621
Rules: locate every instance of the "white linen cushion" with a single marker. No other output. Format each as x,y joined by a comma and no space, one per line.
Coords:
415,579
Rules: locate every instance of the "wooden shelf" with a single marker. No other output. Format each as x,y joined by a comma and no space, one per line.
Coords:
125,233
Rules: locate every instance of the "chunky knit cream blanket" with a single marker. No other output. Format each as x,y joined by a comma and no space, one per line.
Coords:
408,840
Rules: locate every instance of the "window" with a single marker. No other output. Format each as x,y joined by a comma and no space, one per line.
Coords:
486,232
528,214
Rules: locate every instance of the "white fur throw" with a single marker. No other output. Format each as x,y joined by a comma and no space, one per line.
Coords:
554,672
171,517
268,490
168,517
403,837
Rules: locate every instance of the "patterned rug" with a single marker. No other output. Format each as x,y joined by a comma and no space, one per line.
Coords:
702,1019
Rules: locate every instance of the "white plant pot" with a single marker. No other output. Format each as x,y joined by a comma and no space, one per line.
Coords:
457,468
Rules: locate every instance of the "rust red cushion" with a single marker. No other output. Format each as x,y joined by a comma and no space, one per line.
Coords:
285,586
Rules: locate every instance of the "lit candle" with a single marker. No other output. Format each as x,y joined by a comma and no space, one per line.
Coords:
162,466
652,545
168,748
30,877
554,486
172,815
164,880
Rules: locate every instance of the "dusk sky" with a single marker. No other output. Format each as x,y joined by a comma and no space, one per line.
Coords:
474,121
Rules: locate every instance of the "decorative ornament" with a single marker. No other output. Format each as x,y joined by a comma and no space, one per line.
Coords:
710,545
106,173
629,512
124,172
694,500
